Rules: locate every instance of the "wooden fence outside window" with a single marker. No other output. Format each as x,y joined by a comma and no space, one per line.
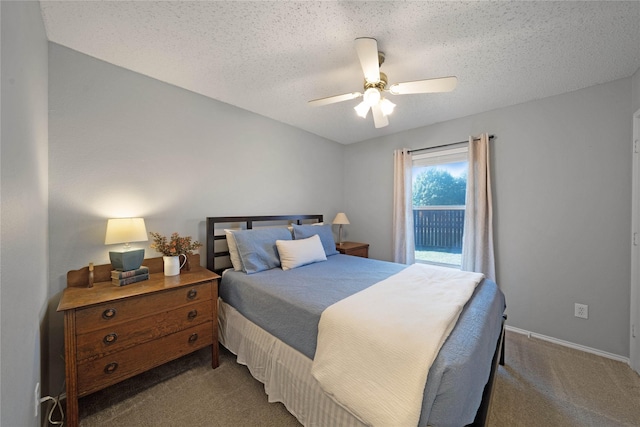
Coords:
438,228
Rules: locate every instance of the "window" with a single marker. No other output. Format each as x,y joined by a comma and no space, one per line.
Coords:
439,180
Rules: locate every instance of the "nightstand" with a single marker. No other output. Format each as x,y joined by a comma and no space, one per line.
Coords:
354,248
115,332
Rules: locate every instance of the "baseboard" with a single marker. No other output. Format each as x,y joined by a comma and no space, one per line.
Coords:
569,344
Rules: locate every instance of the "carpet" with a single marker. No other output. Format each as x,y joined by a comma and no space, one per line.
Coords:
541,384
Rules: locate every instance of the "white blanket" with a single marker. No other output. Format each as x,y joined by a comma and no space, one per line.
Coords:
375,347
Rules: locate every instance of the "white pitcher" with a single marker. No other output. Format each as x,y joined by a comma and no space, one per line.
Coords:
172,264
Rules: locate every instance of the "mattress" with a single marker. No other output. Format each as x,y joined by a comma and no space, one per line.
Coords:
287,305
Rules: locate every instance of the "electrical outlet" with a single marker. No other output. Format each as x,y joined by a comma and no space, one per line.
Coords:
582,311
36,395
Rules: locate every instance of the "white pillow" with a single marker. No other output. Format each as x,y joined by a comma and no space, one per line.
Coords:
296,253
233,250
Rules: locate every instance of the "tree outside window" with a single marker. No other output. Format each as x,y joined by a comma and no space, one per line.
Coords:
436,186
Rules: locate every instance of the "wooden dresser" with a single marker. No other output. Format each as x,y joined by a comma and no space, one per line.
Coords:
353,248
115,332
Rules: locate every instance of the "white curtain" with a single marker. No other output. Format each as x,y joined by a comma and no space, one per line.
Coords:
477,242
403,243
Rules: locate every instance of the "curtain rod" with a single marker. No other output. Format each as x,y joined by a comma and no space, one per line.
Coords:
446,145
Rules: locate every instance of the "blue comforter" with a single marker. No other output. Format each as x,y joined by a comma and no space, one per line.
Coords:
288,304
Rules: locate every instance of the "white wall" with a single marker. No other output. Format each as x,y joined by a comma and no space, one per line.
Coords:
23,189
122,144
562,204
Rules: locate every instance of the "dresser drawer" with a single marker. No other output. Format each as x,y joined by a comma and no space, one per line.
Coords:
361,252
120,311
124,335
353,249
99,373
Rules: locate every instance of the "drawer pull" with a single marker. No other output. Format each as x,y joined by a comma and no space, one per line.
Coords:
193,338
110,338
111,368
109,313
192,314
192,294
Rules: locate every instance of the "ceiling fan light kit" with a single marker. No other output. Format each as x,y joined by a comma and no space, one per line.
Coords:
387,106
371,96
362,109
375,83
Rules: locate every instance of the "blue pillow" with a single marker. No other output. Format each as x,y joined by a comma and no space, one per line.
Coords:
324,231
257,248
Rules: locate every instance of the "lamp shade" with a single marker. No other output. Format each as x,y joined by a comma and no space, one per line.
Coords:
125,230
362,109
387,106
341,218
371,96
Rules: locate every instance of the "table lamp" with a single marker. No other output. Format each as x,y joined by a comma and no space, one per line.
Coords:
126,230
341,219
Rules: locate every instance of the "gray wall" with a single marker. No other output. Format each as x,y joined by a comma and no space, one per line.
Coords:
562,206
635,83
634,343
23,238
122,144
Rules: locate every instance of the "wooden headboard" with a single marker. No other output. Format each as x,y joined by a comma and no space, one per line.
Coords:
217,250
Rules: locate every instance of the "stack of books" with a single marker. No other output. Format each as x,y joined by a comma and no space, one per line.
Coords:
121,278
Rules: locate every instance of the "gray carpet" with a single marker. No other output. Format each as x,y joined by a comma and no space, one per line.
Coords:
542,384
545,384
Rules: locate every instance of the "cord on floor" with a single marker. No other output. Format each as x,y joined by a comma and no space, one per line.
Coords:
56,404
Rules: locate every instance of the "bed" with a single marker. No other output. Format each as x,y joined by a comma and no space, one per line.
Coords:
270,319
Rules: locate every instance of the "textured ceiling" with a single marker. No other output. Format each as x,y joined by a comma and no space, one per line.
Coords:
272,57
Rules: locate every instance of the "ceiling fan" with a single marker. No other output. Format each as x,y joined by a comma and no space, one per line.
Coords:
375,83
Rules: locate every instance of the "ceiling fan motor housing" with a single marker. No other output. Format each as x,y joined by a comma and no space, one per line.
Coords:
373,90
380,84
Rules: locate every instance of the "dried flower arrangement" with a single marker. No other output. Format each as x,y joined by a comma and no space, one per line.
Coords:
174,247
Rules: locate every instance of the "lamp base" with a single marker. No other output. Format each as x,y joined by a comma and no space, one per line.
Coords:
127,260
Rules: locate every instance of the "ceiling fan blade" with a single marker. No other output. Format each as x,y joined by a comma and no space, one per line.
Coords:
379,119
367,49
334,99
443,84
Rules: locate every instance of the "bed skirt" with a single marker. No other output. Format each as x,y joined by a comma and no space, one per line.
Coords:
284,371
